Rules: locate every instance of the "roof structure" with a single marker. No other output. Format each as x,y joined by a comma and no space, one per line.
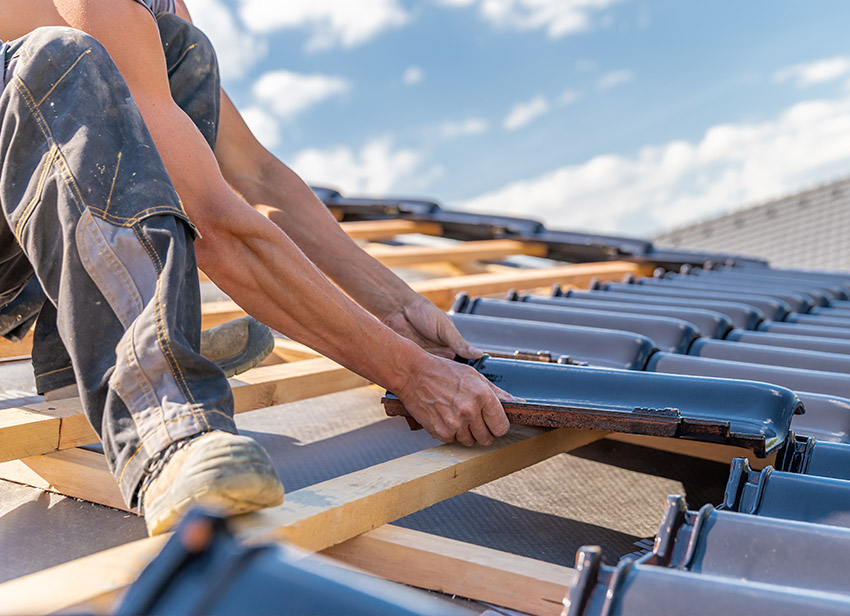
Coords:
686,373
808,229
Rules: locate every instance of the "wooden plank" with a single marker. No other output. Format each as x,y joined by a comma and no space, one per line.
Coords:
456,568
370,230
289,350
443,291
10,349
714,452
314,518
214,314
328,513
486,250
50,426
28,432
74,472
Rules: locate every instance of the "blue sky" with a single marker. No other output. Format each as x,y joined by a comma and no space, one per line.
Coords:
628,116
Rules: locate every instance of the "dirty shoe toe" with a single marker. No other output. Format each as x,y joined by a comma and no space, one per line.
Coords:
230,473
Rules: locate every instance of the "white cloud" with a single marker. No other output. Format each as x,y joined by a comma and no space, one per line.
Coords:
614,79
376,168
557,17
810,73
523,113
330,23
676,183
265,127
464,128
412,75
237,49
288,94
568,97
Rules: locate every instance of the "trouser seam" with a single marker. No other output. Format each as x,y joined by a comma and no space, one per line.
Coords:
76,194
173,366
114,179
164,344
160,321
65,74
30,208
181,58
152,400
49,372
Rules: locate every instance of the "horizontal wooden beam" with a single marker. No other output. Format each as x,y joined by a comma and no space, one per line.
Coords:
50,426
314,518
442,291
457,568
22,349
713,452
289,350
328,513
371,230
485,250
77,473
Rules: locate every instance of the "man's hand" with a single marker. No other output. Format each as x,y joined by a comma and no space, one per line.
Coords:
454,402
431,328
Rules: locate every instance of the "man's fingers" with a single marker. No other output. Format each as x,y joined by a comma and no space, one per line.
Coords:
481,433
495,418
503,395
467,351
464,436
456,343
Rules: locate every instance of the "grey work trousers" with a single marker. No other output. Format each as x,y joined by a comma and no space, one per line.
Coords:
86,194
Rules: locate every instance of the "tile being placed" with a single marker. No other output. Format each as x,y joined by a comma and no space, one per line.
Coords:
747,414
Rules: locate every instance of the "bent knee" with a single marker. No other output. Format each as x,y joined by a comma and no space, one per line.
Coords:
179,36
62,41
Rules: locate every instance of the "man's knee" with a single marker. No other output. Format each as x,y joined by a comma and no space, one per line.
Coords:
192,73
182,41
57,42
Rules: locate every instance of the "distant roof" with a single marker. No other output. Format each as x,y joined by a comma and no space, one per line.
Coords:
809,229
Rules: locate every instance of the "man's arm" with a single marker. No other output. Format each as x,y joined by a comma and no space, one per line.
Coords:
255,263
279,194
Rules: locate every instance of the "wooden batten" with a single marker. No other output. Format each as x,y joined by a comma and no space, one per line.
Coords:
370,230
463,252
77,473
443,291
22,349
314,518
714,452
50,426
457,568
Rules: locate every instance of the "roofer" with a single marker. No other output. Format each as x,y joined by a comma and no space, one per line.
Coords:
110,110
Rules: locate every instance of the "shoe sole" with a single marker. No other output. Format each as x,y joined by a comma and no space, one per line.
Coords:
259,346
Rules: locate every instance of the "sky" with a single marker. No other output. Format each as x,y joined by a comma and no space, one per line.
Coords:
624,116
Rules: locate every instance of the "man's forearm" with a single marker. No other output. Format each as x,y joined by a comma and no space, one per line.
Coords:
310,225
281,196
261,269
